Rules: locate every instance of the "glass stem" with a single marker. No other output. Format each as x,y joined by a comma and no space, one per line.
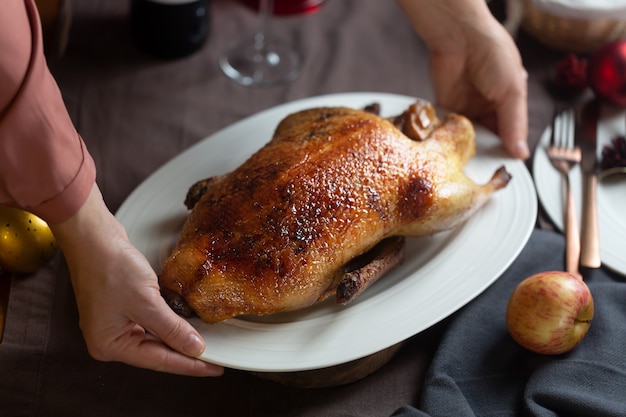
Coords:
266,8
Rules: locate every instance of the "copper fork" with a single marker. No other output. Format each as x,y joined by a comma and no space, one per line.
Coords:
564,156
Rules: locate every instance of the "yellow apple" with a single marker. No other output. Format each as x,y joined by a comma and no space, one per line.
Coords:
550,312
26,241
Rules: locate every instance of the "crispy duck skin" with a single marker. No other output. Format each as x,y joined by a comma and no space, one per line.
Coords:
282,231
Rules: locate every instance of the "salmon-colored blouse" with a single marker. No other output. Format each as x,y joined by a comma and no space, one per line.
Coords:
44,165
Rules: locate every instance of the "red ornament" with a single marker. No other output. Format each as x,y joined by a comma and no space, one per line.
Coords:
571,75
607,73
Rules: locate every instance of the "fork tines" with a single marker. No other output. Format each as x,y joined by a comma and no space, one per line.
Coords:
563,126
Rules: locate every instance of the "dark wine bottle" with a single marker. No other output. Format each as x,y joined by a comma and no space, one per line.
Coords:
170,28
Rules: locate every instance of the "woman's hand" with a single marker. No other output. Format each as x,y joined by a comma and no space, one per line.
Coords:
122,314
475,66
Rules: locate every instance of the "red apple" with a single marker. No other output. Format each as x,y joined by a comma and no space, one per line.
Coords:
606,73
550,312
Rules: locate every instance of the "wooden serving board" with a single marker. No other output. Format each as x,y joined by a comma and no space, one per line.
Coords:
335,375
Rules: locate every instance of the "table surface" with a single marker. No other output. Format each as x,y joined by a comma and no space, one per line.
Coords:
135,113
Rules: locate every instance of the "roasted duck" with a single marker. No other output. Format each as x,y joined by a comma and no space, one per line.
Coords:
321,210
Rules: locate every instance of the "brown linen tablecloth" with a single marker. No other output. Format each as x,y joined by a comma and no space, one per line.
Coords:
135,113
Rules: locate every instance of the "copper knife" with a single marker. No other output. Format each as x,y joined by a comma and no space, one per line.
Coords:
586,138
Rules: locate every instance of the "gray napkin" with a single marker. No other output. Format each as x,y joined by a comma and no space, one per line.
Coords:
478,370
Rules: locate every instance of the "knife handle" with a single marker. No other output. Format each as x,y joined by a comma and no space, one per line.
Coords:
590,236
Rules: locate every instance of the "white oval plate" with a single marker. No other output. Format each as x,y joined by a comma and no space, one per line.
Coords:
611,194
440,273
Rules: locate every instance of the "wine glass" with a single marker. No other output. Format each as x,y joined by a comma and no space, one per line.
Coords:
260,60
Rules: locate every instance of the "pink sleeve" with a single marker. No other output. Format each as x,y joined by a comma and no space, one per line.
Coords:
44,165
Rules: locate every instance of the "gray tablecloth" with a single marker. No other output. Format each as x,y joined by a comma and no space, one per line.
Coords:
478,370
135,113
